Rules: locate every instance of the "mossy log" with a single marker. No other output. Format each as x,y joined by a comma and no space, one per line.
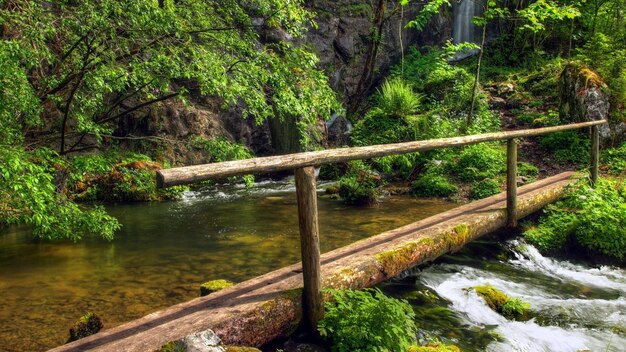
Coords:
259,310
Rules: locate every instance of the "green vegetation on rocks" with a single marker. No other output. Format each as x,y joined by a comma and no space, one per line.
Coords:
589,219
213,286
434,347
511,308
433,186
87,325
484,189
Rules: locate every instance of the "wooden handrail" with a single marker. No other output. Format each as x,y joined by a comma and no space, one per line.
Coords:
192,174
306,194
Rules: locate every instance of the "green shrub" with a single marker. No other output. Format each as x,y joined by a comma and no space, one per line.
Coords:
396,99
484,189
31,194
367,321
117,177
527,170
589,219
360,189
615,159
431,185
568,146
332,172
480,161
393,119
377,128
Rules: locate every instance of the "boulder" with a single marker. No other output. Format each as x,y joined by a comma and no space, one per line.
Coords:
584,97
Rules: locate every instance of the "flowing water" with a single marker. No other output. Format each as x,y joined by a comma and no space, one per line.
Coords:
463,30
164,252
575,307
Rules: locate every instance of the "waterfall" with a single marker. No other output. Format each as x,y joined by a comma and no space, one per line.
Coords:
463,30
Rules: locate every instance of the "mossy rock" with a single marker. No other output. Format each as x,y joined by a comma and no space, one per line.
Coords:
213,286
511,308
241,349
173,346
87,325
494,298
434,347
332,190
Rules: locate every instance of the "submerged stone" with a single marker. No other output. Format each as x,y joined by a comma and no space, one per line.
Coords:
87,325
213,286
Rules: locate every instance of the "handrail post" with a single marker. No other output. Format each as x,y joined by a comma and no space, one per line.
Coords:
511,182
595,153
306,193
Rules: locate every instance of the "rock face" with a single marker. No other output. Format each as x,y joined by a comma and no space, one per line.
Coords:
343,37
583,98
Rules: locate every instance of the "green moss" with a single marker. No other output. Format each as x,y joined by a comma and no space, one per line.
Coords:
173,346
241,349
434,347
401,258
511,308
87,325
494,298
214,286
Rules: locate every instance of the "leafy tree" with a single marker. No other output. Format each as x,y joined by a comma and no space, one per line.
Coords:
85,64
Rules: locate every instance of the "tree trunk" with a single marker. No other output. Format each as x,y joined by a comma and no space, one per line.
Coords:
470,116
370,62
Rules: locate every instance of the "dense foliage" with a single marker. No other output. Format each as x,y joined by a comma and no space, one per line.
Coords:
86,64
589,218
29,194
367,320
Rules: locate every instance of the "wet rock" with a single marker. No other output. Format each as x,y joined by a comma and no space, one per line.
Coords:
505,89
497,103
338,128
88,325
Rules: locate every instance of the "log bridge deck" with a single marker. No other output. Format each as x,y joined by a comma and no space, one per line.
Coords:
259,310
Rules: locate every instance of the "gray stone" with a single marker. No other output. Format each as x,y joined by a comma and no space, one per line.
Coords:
204,341
583,98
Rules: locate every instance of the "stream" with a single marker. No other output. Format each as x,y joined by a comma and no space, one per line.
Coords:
165,251
575,307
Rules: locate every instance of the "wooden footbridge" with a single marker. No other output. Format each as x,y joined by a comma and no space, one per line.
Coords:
259,310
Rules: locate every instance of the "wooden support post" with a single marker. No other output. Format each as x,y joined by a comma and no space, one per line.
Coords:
511,182
313,309
595,154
